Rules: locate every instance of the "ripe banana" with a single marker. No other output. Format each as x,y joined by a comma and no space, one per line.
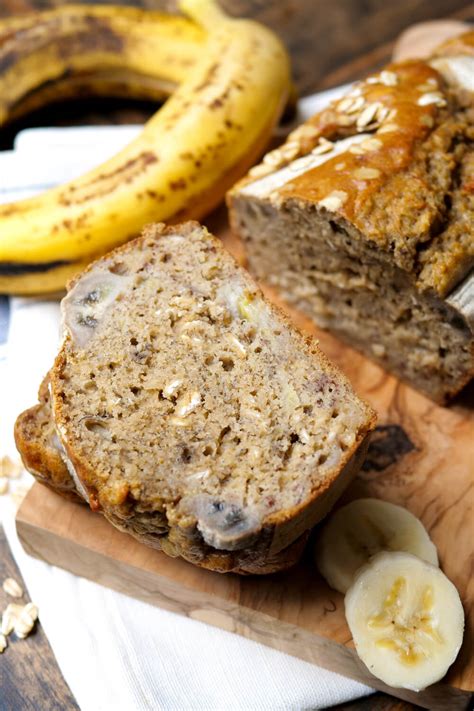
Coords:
363,528
406,619
211,130
77,41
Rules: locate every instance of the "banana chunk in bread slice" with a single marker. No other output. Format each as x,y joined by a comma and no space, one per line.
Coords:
191,412
364,218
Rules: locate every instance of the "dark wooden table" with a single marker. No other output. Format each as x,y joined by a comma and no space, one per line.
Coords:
331,42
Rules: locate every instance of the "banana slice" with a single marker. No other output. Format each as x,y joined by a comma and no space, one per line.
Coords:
363,528
406,619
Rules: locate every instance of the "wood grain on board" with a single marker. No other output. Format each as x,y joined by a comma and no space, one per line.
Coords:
330,43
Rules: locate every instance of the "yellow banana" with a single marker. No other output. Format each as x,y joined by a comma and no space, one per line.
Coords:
66,43
212,129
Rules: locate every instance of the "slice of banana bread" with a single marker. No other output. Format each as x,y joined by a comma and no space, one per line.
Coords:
364,218
44,457
192,413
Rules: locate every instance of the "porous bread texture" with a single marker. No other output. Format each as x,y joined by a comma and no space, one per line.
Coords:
42,455
40,449
192,413
370,232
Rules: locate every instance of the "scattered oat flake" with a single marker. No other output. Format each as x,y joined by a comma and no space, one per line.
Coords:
382,113
372,144
389,128
9,468
302,163
258,171
367,173
274,158
3,643
357,150
345,104
3,486
334,200
324,146
433,97
32,610
23,627
290,150
388,78
7,622
368,114
304,131
357,104
12,588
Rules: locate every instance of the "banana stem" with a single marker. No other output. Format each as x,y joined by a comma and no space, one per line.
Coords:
207,13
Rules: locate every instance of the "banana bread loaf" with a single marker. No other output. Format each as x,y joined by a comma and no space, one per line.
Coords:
191,413
364,218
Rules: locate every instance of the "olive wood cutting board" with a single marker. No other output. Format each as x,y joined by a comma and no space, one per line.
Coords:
421,457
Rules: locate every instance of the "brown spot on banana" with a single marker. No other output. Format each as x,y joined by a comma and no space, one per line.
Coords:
108,182
96,35
146,45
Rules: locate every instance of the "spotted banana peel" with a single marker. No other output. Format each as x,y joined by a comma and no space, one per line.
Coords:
232,80
108,50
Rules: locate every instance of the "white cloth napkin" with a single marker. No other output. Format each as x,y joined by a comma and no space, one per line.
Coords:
117,653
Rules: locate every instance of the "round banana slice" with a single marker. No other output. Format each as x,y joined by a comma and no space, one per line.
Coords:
363,528
406,619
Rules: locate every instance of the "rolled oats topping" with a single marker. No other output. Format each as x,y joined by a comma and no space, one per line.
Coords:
324,146
433,97
388,78
368,115
334,200
260,170
367,173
